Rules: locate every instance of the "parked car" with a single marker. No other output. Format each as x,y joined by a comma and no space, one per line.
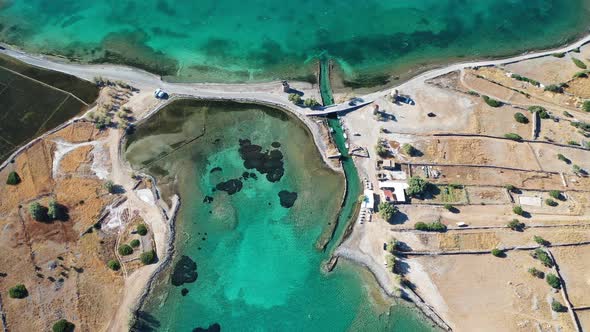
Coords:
160,94
405,100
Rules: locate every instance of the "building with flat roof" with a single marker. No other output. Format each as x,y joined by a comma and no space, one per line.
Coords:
393,191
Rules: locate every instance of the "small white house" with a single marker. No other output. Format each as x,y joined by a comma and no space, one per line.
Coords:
393,191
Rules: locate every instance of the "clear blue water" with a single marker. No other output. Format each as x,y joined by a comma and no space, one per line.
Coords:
229,40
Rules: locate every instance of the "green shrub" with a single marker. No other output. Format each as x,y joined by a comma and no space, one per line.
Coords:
18,292
114,265
491,102
448,206
579,63
409,150
295,98
518,210
586,106
554,88
574,143
417,186
473,93
563,158
559,55
543,256
581,74
148,257
568,114
310,102
387,211
393,245
37,211
13,179
435,226
555,194
55,211
125,250
516,225
553,280
551,202
142,229
134,243
497,252
540,240
510,187
513,136
525,79
109,186
557,307
536,273
381,151
63,325
578,170
521,118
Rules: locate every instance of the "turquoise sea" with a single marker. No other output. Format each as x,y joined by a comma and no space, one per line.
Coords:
257,264
229,40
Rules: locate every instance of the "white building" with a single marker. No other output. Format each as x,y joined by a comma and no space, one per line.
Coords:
393,191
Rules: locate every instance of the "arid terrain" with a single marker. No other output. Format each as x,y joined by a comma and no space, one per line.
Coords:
483,166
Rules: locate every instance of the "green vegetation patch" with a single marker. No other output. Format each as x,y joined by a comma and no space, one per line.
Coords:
18,292
148,257
492,102
525,79
513,136
543,256
521,118
579,63
125,250
387,211
13,179
114,265
63,325
553,280
142,229
435,226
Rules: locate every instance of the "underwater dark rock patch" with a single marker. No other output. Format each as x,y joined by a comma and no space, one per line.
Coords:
207,199
287,198
185,271
215,169
230,186
215,327
245,175
254,176
267,162
276,145
184,291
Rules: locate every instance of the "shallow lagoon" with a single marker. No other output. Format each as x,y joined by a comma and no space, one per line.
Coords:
257,264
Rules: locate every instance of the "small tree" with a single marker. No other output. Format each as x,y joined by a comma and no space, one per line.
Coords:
555,194
553,280
518,210
109,186
18,292
536,273
387,211
125,250
579,63
563,158
551,202
557,307
63,325
148,257
13,179
142,229
448,206
510,187
513,136
586,106
381,151
295,98
409,150
114,265
516,225
521,118
37,211
310,102
491,102
417,186
497,252
134,243
540,240
543,256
